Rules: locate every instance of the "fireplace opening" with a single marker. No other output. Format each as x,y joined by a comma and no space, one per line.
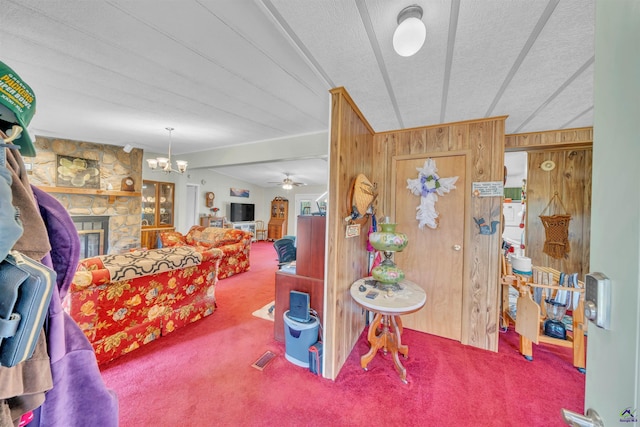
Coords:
94,235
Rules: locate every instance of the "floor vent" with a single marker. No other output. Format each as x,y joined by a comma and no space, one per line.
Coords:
264,360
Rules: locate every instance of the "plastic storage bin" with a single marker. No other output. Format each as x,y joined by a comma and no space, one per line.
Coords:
298,337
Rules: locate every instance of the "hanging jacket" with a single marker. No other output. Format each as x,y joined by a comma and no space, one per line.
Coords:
79,396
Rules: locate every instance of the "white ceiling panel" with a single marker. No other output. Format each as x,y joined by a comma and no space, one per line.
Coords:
562,48
483,57
234,72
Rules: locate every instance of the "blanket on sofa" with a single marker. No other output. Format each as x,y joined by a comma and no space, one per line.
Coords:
144,263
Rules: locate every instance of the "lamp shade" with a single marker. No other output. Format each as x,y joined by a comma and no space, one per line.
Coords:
411,32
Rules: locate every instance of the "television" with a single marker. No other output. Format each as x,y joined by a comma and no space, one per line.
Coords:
240,212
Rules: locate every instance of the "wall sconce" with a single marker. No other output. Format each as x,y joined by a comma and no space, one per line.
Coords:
411,33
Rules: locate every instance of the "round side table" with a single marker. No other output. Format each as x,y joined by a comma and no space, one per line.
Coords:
386,330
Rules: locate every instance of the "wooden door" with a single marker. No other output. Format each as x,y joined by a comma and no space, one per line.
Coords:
434,258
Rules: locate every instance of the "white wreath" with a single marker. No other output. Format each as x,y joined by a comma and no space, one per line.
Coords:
429,186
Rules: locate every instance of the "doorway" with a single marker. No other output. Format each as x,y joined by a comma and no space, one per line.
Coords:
435,257
193,205
514,205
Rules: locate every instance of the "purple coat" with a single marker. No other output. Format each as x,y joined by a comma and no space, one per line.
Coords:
79,396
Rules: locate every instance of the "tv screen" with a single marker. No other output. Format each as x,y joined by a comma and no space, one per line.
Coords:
241,212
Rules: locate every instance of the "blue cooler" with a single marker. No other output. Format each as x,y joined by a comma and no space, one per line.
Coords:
298,337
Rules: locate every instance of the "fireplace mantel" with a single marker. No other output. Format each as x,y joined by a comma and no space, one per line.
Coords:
111,194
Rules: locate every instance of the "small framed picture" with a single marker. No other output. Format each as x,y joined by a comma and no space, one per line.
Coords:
238,192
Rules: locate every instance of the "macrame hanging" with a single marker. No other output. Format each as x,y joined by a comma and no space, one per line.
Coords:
556,228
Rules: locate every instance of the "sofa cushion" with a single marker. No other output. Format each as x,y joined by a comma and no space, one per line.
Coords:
218,237
193,235
172,238
143,263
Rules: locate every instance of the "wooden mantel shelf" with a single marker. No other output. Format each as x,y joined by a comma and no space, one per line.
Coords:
111,194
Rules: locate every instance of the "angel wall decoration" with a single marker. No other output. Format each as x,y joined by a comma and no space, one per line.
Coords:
429,186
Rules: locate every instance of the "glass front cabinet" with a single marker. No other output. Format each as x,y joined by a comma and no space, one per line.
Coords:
277,227
157,211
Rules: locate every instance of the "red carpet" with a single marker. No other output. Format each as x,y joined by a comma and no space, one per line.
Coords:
201,375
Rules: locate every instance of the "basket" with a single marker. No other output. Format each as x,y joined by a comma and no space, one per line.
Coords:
361,197
556,228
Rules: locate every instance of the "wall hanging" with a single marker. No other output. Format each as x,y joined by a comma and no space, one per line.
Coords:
429,186
556,228
362,194
486,228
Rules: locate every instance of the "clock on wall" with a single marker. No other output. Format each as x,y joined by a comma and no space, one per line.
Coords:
209,197
127,184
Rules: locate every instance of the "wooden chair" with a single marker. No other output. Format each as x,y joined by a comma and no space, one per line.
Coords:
261,231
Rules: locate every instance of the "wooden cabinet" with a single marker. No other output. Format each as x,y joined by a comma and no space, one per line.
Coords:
249,227
310,237
309,277
149,236
212,221
279,215
157,211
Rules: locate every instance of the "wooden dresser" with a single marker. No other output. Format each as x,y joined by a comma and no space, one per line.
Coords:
309,276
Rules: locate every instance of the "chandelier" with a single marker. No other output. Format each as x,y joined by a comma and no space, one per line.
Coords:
163,164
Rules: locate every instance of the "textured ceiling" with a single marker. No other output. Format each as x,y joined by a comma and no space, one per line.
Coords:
232,72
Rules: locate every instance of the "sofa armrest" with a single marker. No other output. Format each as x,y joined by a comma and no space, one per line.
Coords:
210,254
88,279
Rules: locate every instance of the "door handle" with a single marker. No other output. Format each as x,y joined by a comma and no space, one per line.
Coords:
457,247
590,419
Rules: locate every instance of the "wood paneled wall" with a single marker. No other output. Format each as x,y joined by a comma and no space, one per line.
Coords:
571,179
355,148
350,153
483,142
571,151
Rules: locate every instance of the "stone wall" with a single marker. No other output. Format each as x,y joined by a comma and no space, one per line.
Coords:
124,211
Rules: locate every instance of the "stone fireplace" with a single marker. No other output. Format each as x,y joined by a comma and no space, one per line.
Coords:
94,235
118,211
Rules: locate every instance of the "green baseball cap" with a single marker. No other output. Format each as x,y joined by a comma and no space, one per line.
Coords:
17,106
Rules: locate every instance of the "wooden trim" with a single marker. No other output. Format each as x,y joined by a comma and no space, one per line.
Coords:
342,91
447,125
574,138
111,194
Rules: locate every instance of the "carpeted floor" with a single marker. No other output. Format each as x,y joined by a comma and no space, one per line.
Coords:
201,375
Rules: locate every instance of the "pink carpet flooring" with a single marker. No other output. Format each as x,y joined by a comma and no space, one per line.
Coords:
201,375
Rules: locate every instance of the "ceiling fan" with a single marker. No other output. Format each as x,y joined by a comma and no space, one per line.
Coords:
288,183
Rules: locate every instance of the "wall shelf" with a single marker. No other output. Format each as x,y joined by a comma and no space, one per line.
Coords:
111,194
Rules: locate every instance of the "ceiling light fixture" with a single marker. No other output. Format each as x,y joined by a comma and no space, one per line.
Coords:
163,164
411,33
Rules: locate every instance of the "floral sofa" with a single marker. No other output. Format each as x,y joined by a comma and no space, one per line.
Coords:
122,302
234,244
